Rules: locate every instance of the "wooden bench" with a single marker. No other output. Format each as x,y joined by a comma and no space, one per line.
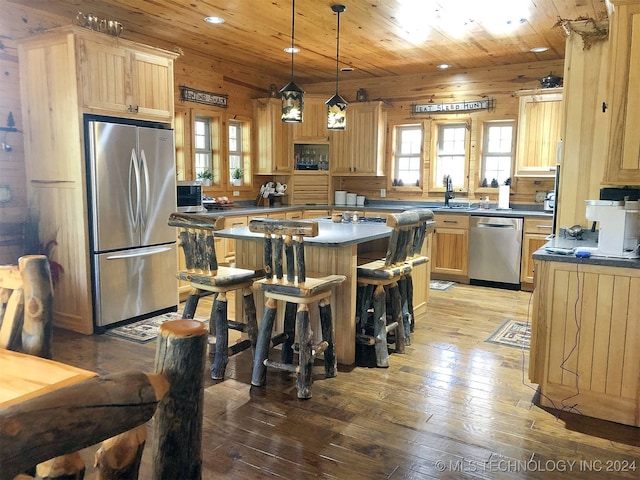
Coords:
115,408
206,277
286,280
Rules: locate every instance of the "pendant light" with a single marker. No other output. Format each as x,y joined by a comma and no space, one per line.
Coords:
336,105
292,95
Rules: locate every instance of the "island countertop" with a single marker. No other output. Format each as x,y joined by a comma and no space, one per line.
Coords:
330,234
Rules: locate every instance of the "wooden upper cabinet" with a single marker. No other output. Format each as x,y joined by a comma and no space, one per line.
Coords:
314,121
623,165
539,131
359,149
273,145
125,79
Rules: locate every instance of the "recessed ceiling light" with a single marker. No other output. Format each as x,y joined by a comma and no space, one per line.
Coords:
444,66
292,49
214,20
539,49
346,69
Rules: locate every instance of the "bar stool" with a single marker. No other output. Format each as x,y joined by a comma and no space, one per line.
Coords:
287,236
206,277
415,258
378,280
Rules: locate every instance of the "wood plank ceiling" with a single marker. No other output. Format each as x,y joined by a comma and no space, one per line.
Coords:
378,38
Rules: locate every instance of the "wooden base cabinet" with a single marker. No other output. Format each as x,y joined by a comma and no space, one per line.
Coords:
65,73
274,151
451,248
585,339
536,231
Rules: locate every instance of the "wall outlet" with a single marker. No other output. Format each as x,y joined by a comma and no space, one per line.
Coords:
236,193
383,192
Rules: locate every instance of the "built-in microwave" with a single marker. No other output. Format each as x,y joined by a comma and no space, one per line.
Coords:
189,196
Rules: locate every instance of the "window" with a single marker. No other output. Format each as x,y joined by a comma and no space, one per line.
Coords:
451,154
202,142
497,152
408,158
235,151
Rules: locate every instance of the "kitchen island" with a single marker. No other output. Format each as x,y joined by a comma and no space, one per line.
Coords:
585,333
335,251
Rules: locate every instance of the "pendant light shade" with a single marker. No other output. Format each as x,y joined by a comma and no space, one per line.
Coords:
292,95
336,105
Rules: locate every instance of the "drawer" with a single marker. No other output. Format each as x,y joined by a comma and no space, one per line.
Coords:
452,221
538,225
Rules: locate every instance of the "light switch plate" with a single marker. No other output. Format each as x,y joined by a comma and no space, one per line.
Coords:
236,193
383,192
5,193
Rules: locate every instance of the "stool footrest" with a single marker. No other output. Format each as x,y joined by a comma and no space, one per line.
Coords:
278,339
239,326
363,339
392,326
287,367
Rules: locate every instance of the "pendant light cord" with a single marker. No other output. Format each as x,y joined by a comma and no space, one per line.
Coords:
293,25
337,51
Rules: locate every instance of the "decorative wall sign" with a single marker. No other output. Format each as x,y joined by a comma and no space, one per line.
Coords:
453,107
198,96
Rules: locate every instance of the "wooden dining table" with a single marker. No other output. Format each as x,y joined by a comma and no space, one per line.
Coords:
24,376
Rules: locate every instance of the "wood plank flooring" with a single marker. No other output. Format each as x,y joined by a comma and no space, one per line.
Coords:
454,406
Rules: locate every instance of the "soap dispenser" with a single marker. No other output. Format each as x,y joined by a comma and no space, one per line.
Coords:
486,202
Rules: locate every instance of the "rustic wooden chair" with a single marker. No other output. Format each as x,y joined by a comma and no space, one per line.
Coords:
26,306
379,281
424,226
206,277
284,240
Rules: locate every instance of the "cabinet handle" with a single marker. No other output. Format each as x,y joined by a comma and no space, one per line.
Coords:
544,226
450,221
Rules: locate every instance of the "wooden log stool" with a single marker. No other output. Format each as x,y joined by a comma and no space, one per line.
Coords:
379,284
422,230
206,277
287,237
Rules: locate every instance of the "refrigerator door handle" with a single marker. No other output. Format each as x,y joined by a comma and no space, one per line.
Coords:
144,211
134,170
140,252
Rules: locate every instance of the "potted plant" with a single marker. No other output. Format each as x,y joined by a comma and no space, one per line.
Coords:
206,176
236,177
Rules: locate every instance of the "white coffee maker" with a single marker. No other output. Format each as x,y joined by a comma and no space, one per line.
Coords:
619,227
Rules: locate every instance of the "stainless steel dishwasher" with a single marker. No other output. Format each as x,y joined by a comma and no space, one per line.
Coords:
495,248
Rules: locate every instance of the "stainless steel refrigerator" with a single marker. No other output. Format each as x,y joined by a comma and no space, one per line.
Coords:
132,191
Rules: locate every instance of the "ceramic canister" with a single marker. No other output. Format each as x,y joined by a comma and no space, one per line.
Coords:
351,199
360,200
340,197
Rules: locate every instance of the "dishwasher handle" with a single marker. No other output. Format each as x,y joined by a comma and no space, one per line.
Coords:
495,225
496,222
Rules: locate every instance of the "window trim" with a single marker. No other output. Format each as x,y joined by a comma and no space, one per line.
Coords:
246,160
216,144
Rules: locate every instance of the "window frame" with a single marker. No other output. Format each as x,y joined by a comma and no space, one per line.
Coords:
483,152
395,156
246,151
436,178
215,143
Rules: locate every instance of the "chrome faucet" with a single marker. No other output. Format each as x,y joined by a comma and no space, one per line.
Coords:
448,193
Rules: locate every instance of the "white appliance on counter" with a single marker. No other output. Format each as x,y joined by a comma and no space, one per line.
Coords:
619,227
132,192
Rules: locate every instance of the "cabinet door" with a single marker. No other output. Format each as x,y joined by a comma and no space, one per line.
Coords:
359,149
367,135
530,243
152,85
227,253
272,138
539,132
104,70
624,145
450,249
314,120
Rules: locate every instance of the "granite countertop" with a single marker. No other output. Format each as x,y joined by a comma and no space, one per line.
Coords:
330,234
392,206
589,243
